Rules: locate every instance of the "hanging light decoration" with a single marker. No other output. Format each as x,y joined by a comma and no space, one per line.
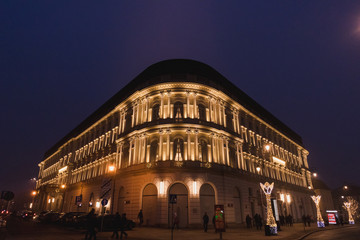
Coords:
270,220
320,221
351,219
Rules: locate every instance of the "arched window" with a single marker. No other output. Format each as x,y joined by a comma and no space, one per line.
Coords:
178,149
178,110
202,112
203,151
154,151
156,112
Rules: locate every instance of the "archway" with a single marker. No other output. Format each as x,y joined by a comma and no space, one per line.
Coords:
121,201
237,206
207,200
149,205
181,205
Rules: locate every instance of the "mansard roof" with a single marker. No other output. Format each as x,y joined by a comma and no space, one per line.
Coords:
177,69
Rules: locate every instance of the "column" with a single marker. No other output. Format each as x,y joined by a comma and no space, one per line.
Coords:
161,145
130,150
224,115
188,104
146,109
238,122
234,120
120,154
123,121
133,116
227,152
196,144
218,149
210,112
162,105
238,155
147,149
168,131
120,121
242,157
137,112
223,160
216,119
195,107
168,105
188,131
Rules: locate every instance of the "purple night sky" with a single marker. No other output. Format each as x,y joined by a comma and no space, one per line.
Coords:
61,60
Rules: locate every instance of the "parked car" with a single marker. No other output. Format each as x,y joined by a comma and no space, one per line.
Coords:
106,223
49,217
70,218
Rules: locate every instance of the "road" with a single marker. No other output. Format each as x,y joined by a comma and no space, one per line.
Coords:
348,233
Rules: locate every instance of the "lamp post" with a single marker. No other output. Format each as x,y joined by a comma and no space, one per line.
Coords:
351,219
270,220
112,168
320,221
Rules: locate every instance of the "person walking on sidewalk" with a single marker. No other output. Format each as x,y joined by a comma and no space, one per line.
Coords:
248,221
205,221
140,217
91,224
116,225
123,225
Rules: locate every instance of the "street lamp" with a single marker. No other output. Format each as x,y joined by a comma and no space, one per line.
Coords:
267,147
112,169
270,220
314,174
345,187
320,221
63,186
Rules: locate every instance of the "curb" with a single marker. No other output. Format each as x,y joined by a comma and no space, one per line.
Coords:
320,230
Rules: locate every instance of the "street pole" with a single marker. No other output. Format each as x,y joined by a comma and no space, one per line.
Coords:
112,195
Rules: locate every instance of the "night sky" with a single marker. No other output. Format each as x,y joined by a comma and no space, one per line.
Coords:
61,60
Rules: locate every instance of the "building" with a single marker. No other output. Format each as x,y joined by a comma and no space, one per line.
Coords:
179,128
326,202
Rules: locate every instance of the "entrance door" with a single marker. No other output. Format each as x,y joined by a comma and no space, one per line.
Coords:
237,206
149,205
181,206
120,207
207,200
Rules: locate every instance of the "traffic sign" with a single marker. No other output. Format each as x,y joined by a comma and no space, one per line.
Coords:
172,198
104,202
78,199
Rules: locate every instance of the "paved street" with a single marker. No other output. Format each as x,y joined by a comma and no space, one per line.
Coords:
33,231
348,233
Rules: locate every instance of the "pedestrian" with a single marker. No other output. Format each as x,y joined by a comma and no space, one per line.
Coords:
248,221
205,221
175,221
341,220
304,219
123,225
91,224
116,225
308,220
213,221
140,217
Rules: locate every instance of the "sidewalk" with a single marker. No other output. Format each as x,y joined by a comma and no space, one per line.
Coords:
295,232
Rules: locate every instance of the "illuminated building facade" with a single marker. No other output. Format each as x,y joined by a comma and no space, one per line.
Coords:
178,128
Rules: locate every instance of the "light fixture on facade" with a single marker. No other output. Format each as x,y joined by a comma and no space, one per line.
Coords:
49,201
63,186
342,196
278,161
194,188
33,193
31,204
282,197
162,188
309,187
63,169
111,168
53,200
345,187
267,147
97,204
315,174
288,198
258,169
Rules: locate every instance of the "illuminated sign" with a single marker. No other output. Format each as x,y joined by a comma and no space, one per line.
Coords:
219,218
279,161
332,218
63,169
